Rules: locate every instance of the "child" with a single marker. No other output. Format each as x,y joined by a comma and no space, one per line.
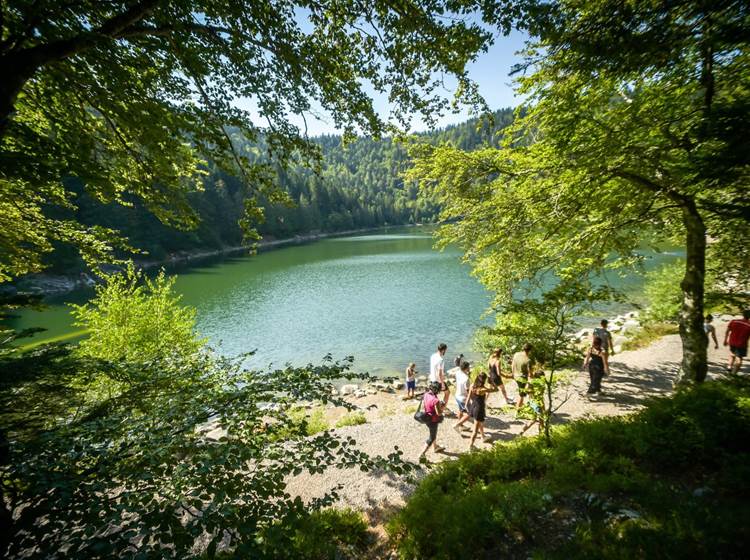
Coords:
411,380
710,332
477,404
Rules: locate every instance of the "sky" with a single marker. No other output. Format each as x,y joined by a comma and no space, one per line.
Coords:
490,71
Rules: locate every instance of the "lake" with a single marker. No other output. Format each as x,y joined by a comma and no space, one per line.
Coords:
386,298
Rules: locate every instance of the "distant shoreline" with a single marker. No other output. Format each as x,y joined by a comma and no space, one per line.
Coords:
58,284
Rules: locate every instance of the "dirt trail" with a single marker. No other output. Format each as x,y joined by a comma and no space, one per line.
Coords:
634,377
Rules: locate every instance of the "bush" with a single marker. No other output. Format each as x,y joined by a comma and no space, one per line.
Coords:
352,419
135,318
312,423
669,481
648,334
320,535
662,290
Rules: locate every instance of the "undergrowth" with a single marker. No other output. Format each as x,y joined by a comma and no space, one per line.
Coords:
648,333
671,481
351,419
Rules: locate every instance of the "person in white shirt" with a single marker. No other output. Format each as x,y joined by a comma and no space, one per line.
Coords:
437,371
462,391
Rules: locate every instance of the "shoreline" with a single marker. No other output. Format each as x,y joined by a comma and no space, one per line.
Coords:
58,284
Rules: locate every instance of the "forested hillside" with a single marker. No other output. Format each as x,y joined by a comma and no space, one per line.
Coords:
359,186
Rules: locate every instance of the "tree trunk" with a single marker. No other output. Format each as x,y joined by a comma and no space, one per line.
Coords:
694,347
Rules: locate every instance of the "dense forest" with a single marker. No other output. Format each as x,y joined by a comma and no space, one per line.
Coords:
360,185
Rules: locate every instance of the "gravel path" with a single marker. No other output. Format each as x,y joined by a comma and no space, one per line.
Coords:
634,376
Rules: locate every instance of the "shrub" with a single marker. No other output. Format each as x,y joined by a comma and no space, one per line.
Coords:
648,333
352,419
669,481
135,318
311,423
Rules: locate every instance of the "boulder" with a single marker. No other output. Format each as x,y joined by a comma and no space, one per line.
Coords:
397,384
422,379
615,328
372,391
617,348
619,340
349,389
630,326
334,392
359,393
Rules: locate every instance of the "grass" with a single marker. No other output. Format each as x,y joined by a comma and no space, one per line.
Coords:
648,334
352,419
315,420
672,481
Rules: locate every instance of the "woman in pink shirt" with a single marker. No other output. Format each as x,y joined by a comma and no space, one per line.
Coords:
434,409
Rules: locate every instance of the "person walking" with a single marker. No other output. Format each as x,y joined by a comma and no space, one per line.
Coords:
594,362
519,368
462,392
433,408
411,380
477,403
710,332
736,337
494,367
606,338
437,373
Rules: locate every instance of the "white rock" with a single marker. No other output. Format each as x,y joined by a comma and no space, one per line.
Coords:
632,315
615,328
372,391
334,392
619,340
397,384
617,348
349,389
422,379
359,393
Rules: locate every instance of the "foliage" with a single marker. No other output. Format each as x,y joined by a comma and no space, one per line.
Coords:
620,138
648,333
174,455
669,481
546,322
358,186
169,452
326,534
136,318
352,419
662,290
133,99
310,424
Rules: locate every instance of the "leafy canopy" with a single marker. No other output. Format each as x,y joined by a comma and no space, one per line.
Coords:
632,132
134,98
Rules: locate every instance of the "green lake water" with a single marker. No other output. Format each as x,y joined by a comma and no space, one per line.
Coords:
385,298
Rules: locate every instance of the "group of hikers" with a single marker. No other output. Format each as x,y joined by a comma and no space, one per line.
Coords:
471,396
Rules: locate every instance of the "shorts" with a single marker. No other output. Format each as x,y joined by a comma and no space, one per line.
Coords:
461,403
521,387
738,351
411,385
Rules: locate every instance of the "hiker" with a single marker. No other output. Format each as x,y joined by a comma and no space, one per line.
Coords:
710,332
594,362
494,367
462,392
411,380
606,338
477,404
458,360
433,408
519,367
535,394
736,337
437,373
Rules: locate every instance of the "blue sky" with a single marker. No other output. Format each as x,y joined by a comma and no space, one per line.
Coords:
490,71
